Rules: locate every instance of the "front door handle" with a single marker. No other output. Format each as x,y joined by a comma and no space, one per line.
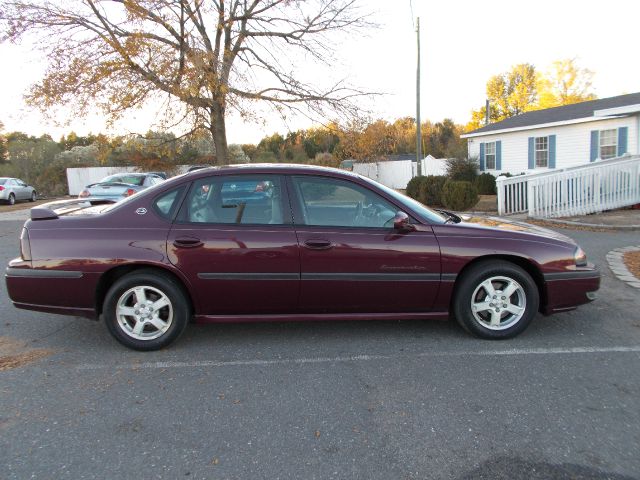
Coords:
318,244
187,242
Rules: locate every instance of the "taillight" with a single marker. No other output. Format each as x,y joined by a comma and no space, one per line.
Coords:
129,192
1,188
84,194
25,246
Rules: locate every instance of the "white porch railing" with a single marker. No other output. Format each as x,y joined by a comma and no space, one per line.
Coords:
603,185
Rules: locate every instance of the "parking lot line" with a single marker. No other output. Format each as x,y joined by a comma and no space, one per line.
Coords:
361,358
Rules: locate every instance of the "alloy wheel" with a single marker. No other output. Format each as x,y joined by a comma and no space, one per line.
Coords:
498,303
144,312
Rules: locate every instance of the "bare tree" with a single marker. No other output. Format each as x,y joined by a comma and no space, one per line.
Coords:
202,58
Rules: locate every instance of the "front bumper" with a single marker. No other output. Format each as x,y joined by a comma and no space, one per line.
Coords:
567,290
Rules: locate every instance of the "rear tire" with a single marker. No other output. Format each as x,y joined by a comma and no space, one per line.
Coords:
146,310
12,199
495,300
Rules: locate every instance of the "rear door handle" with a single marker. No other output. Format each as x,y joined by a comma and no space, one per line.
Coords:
318,244
187,242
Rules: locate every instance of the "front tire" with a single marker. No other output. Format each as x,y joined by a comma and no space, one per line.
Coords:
34,196
495,300
146,310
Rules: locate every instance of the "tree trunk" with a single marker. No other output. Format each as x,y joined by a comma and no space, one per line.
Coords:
219,134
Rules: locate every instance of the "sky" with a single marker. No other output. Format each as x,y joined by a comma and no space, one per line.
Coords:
463,43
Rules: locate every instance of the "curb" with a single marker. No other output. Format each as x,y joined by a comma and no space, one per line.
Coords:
619,269
588,225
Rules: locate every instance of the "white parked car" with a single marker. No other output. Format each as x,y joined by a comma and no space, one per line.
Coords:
14,189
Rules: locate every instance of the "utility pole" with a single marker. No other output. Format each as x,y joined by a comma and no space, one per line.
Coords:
418,126
487,112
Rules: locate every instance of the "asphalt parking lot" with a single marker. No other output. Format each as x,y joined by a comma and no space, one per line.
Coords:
351,400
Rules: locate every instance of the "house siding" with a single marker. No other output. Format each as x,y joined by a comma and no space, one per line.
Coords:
573,143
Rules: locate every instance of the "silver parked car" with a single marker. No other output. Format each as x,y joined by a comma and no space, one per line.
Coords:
14,189
119,186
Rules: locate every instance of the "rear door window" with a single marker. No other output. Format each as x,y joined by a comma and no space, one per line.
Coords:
238,199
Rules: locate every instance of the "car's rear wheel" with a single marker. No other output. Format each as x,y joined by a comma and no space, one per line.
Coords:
12,199
34,196
146,310
495,300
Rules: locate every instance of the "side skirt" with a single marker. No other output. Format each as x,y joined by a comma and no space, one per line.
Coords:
89,313
314,317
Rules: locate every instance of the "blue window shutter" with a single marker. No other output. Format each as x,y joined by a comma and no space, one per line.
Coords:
532,160
595,140
623,132
552,151
482,157
499,155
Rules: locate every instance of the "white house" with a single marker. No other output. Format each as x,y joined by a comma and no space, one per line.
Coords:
559,137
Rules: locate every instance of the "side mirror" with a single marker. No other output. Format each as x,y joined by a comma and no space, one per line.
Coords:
401,222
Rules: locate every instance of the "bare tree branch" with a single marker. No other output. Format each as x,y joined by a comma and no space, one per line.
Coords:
208,56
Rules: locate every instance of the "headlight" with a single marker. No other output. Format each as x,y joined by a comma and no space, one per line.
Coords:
580,257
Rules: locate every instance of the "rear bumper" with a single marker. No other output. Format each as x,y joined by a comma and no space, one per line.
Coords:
567,290
51,290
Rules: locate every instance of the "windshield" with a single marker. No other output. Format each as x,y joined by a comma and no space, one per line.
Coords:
431,215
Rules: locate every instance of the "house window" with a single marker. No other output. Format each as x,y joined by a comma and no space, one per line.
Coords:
490,155
608,143
542,152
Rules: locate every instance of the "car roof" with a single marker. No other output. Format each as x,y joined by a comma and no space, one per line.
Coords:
281,168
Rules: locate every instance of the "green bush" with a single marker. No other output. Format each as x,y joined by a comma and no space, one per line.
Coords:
486,184
459,195
430,191
462,169
427,190
413,187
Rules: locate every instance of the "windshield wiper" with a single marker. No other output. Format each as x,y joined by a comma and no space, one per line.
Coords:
451,217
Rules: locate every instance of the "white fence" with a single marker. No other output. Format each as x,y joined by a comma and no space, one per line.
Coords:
599,186
397,173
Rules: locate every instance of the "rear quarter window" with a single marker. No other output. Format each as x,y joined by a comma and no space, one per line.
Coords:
166,204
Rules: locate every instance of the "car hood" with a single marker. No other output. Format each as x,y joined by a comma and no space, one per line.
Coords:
502,224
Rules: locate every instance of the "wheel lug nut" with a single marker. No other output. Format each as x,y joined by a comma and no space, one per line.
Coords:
504,298
504,305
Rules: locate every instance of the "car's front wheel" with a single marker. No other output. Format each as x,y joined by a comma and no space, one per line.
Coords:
146,310
495,300
34,196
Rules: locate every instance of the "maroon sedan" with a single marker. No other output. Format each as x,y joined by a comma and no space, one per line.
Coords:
282,242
